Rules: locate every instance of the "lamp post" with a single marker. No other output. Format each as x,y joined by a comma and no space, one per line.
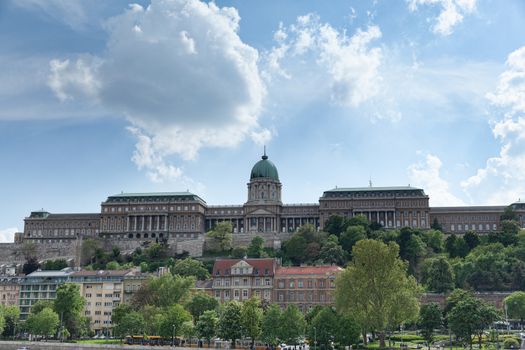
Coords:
173,336
315,338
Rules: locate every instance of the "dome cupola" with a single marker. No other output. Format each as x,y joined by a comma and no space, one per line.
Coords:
264,169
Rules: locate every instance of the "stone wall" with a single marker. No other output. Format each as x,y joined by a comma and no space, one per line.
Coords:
494,298
12,253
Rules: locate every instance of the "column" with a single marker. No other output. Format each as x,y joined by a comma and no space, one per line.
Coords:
264,224
127,223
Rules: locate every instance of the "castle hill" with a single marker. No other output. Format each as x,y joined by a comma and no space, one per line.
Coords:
262,175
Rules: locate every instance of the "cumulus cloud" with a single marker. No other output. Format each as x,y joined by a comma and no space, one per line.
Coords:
180,73
350,63
8,235
502,179
451,13
427,176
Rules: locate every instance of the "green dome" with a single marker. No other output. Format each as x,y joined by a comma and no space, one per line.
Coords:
264,168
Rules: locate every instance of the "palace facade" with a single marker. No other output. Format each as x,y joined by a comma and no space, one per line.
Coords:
181,219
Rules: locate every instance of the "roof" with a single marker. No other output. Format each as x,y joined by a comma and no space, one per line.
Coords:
494,208
264,169
69,216
206,284
124,197
51,273
101,273
363,190
308,270
222,267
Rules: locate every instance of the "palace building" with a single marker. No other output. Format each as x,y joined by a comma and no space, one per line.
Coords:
128,220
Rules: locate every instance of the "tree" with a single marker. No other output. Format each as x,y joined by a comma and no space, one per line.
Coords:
201,302
191,267
222,233
12,316
472,239
323,327
251,318
129,324
88,249
207,325
41,305
271,327
430,318
256,247
335,225
436,225
471,316
174,317
295,325
188,330
346,331
44,323
351,236
434,240
69,304
438,275
229,321
515,304
163,291
31,265
509,214
375,288
58,264
239,252
2,319
331,252
295,248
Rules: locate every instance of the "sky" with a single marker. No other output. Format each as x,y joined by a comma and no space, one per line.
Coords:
99,97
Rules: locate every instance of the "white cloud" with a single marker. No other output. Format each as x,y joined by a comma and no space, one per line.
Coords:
427,176
181,75
502,180
451,13
8,235
71,12
350,64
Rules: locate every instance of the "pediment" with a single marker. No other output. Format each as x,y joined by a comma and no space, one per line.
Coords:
261,211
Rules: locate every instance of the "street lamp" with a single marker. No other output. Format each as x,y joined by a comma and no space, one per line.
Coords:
173,336
315,338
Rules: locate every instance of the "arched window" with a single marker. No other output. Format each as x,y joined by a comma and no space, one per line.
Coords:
138,235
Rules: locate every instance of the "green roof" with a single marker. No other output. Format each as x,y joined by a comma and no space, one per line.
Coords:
370,189
154,196
264,169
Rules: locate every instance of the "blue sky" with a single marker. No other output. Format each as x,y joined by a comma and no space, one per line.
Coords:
99,97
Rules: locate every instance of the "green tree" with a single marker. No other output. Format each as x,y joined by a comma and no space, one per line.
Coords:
44,323
271,326
208,325
12,316
31,265
174,318
222,233
188,331
294,248
251,318
132,323
375,288
41,305
239,252
438,275
87,251
295,325
434,239
346,331
351,236
430,319
331,252
229,322
472,239
323,328
112,265
509,214
69,304
58,264
191,267
436,225
516,305
256,247
335,225
163,291
201,302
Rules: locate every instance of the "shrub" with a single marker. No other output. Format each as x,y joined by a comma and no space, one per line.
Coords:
511,343
406,337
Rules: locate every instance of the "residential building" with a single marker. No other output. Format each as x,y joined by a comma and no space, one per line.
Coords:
40,285
9,290
239,279
305,286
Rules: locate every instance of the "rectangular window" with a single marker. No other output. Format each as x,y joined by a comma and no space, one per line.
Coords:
245,293
300,283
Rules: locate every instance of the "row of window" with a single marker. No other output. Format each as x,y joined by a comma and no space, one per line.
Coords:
226,282
473,227
309,297
107,295
302,284
126,209
226,294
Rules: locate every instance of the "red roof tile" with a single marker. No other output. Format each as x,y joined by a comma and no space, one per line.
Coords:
308,270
